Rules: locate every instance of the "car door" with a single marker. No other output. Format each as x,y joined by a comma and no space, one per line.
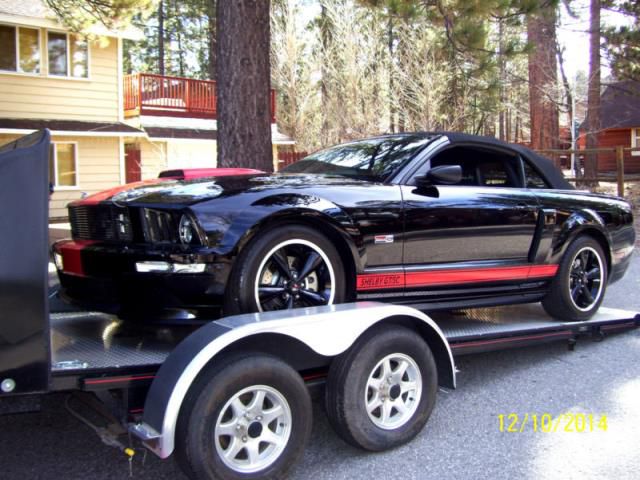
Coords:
476,231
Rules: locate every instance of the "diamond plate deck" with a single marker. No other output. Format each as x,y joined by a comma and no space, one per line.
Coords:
83,341
482,322
95,341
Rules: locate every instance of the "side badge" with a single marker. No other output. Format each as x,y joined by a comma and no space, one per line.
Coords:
383,239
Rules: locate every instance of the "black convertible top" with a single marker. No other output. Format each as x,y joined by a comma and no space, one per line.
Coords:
542,164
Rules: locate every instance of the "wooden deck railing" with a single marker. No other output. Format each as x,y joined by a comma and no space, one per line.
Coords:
150,94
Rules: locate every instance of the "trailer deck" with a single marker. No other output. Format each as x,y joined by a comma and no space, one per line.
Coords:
96,350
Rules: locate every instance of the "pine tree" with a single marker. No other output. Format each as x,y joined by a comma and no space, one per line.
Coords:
244,84
543,77
623,42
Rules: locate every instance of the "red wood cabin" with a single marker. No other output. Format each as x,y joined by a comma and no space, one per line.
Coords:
150,94
620,126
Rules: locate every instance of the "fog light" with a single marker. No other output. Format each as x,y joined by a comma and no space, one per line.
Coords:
146,267
166,267
57,259
189,267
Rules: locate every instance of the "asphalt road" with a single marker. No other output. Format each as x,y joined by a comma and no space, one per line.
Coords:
462,439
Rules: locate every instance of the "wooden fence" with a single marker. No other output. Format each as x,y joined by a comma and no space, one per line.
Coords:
620,177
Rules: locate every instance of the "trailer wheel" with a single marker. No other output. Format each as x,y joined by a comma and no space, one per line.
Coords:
250,419
380,392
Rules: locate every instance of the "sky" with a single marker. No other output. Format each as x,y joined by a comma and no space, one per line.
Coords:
573,36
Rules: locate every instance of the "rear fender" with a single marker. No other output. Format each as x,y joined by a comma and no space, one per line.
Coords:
585,221
314,329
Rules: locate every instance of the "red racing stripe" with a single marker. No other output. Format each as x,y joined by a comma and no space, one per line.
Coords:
108,194
382,281
72,256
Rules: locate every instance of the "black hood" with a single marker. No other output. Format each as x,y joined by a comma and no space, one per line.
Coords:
189,192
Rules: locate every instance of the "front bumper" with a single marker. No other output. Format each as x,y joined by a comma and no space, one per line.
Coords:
129,278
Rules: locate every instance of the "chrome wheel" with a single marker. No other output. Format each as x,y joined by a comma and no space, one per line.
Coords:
295,273
393,391
586,279
253,429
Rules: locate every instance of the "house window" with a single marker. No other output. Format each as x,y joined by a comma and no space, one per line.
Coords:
19,49
68,55
63,164
635,141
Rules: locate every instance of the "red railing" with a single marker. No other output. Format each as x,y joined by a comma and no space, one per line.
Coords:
150,94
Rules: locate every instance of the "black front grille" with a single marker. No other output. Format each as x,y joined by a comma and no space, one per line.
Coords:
100,222
160,226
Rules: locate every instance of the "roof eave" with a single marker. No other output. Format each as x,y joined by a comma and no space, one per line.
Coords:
129,33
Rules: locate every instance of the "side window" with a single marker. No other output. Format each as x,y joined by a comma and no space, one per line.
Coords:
481,168
532,178
493,173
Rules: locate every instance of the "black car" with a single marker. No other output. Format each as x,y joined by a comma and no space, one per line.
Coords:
433,220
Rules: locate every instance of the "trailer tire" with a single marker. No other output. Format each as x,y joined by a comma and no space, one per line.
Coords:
250,418
372,380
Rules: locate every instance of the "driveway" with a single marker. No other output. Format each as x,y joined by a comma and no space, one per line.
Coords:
462,439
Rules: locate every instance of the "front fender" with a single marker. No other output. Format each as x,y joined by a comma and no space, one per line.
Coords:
231,225
314,327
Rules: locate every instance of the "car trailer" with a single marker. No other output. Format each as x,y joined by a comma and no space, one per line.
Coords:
230,398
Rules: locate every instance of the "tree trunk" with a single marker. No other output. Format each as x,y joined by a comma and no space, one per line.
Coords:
543,79
211,38
324,75
392,100
593,95
161,37
501,63
244,84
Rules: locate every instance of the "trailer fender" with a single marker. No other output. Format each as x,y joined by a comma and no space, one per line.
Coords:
328,331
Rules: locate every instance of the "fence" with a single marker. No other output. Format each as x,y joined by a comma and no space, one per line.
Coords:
620,176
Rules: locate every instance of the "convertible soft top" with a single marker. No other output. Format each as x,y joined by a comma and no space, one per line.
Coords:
542,164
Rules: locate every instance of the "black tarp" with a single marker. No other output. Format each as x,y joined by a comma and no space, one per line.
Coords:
24,316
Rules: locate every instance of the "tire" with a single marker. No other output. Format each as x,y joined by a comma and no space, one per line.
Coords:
353,379
576,293
225,407
270,272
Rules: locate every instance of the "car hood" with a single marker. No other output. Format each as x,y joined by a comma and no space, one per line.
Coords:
173,192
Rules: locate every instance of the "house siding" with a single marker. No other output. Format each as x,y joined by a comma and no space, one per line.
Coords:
153,158
53,98
98,169
612,138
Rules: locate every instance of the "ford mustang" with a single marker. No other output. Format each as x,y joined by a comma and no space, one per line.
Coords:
432,220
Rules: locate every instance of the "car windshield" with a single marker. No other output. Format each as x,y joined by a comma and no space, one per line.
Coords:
375,159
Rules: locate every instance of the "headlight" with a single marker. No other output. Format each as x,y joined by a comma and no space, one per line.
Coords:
186,231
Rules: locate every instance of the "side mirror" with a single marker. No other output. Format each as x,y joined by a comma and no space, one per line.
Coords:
442,175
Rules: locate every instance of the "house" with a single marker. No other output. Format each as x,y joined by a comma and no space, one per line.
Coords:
107,128
620,126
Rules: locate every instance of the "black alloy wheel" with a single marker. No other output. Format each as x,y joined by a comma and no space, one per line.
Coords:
295,273
577,290
291,266
585,278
